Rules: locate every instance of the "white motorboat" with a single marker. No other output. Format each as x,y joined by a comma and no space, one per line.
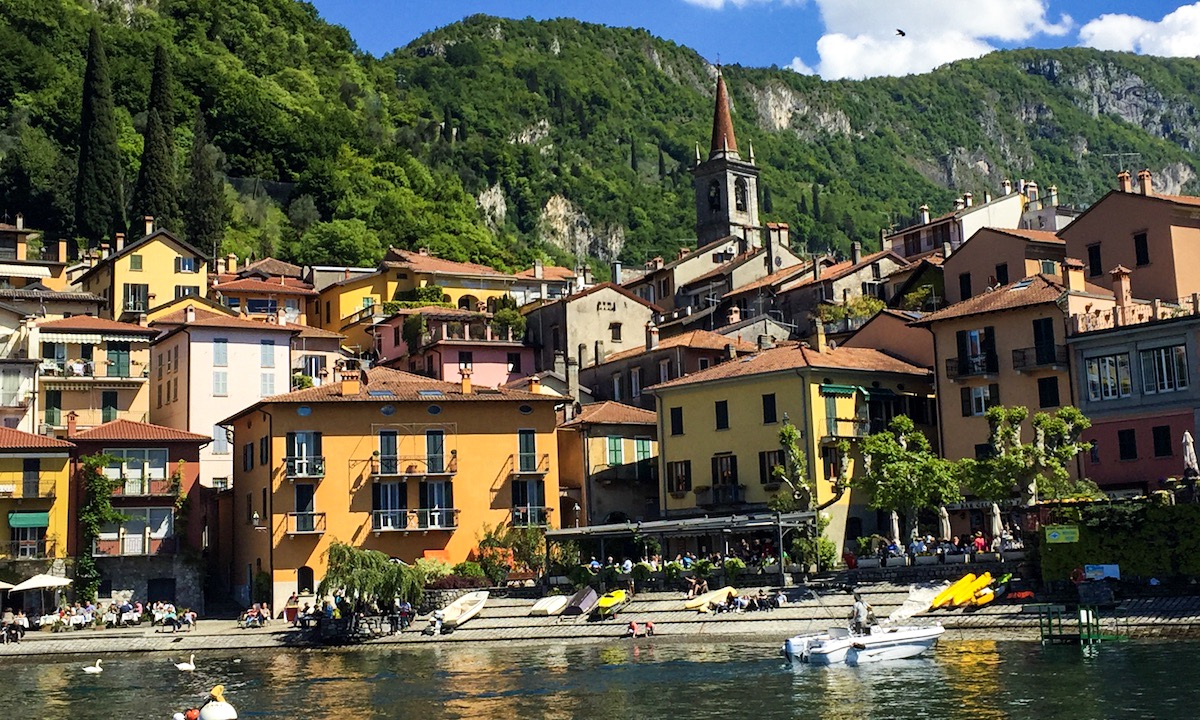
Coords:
839,646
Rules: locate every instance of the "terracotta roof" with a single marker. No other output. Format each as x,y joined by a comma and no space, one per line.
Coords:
795,357
27,293
726,267
776,277
696,339
157,234
178,317
11,439
138,431
549,272
1179,199
273,267
308,331
722,132
1033,290
280,286
91,323
612,413
1033,235
845,267
401,386
417,262
596,288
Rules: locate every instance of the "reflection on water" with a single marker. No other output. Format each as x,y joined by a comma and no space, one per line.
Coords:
625,680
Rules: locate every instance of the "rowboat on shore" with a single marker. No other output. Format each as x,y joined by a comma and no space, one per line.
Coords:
610,603
582,602
549,605
464,608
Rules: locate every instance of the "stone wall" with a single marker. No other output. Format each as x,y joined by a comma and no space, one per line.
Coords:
132,577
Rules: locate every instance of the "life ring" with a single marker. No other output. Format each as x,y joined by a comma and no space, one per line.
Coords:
1077,576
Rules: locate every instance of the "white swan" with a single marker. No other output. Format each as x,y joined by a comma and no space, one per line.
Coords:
93,669
188,666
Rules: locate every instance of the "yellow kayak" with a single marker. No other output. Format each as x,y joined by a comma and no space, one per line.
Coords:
610,602
983,597
701,602
966,593
944,597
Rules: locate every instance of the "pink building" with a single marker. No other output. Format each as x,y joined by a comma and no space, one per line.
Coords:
451,341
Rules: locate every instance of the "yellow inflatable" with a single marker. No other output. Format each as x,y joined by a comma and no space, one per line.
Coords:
701,602
983,597
945,596
967,592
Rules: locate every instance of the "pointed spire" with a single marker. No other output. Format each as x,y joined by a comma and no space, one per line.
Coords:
722,133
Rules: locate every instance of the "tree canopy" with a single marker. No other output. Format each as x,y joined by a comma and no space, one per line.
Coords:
903,473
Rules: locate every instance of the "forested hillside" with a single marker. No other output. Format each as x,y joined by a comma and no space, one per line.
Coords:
493,140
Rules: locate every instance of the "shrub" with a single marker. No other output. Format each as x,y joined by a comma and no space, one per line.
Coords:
580,575
434,569
641,572
703,568
469,569
457,582
672,570
734,567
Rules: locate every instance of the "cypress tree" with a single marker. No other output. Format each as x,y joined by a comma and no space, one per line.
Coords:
99,202
161,96
156,194
768,201
662,163
204,203
816,202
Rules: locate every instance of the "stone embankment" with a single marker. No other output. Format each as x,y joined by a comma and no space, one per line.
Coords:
507,620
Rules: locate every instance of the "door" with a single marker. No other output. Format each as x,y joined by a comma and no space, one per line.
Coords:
437,503
305,522
527,451
390,501
528,502
118,359
10,387
388,460
108,405
435,451
1043,340
304,450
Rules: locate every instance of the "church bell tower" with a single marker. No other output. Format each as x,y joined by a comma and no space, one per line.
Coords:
726,186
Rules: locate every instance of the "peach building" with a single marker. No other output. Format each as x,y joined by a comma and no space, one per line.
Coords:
995,256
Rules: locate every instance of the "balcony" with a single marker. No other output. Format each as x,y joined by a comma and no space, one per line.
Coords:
972,366
531,516
414,520
134,545
837,428
414,465
73,370
1041,357
135,306
27,490
309,467
529,464
721,495
142,486
27,549
635,472
306,523
473,332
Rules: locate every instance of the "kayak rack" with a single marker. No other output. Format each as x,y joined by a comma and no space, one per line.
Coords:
1082,628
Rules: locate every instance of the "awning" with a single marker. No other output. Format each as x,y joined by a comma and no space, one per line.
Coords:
839,390
685,527
81,338
5,586
879,393
28,519
24,271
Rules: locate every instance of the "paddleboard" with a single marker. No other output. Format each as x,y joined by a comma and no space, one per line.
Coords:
945,596
967,592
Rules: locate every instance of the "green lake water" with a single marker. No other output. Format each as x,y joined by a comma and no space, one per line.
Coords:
647,679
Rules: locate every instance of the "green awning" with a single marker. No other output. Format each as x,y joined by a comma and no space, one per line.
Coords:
28,519
879,393
839,390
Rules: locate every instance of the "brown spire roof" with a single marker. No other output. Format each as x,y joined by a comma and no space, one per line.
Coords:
722,133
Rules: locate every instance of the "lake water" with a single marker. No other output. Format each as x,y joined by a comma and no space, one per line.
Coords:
650,679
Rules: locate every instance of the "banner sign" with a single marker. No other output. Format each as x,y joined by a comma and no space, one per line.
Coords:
1062,534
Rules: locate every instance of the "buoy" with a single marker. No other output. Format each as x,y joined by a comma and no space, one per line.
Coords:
216,708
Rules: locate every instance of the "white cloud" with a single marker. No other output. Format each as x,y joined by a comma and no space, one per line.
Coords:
1173,36
798,65
861,38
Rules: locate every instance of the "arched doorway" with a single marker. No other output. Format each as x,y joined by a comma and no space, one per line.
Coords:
304,581
468,302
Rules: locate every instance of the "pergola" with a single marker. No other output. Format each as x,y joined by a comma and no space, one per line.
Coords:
689,527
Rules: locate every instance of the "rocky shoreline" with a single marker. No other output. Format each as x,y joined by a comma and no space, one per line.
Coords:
507,621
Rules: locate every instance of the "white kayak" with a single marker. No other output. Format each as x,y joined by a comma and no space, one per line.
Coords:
839,646
550,605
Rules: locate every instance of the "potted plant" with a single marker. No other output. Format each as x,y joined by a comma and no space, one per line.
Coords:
956,558
925,558
734,567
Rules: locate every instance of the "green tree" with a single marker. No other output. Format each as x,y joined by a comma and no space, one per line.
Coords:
95,512
370,575
768,202
162,93
801,491
816,202
1037,470
903,473
156,192
303,213
205,210
99,190
340,242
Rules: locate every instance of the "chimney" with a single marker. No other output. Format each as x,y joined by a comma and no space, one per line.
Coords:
1144,186
968,199
657,263
143,322
924,210
231,263
20,221
220,266
730,351
987,197
683,252
1072,272
465,382
423,251
62,250
734,315
572,377
816,268
349,381
1120,287
818,339
535,385
1031,191
1052,200
149,220
560,363
189,314
765,342
33,339
651,336
1123,182
72,423
120,241
855,252
1006,186
104,248
959,204
616,273
1021,186
280,318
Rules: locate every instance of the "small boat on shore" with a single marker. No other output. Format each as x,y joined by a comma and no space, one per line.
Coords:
839,646
944,597
702,602
582,602
610,603
549,605
464,608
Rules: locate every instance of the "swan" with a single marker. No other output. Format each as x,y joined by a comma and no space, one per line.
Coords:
188,666
93,669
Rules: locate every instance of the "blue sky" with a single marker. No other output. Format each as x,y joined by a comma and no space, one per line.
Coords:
833,38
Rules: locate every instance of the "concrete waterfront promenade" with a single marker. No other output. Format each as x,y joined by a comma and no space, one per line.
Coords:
507,621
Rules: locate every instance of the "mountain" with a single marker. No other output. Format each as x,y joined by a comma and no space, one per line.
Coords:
494,140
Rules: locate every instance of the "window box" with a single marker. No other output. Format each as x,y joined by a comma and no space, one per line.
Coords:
679,494
898,561
986,557
925,560
1013,555
869,562
956,558
772,486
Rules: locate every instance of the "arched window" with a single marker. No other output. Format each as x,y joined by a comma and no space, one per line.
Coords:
714,196
304,581
468,302
739,194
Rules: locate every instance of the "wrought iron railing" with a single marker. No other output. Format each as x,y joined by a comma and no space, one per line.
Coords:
1040,356
972,365
305,467
306,523
418,519
531,516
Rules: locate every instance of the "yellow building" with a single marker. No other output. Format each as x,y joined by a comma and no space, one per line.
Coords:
388,461
719,428
145,274
608,457
93,367
34,495
24,262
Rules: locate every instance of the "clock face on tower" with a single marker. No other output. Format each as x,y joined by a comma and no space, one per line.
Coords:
714,196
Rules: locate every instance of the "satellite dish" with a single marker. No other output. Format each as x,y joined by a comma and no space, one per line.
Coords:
291,314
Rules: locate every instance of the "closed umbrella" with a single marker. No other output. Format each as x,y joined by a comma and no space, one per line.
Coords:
997,525
1190,468
943,523
895,527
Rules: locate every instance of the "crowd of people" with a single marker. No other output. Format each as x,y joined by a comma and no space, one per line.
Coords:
747,602
755,553
84,614
957,545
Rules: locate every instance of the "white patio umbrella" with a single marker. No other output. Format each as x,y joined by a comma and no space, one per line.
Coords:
41,583
997,525
5,586
1190,466
943,523
895,527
